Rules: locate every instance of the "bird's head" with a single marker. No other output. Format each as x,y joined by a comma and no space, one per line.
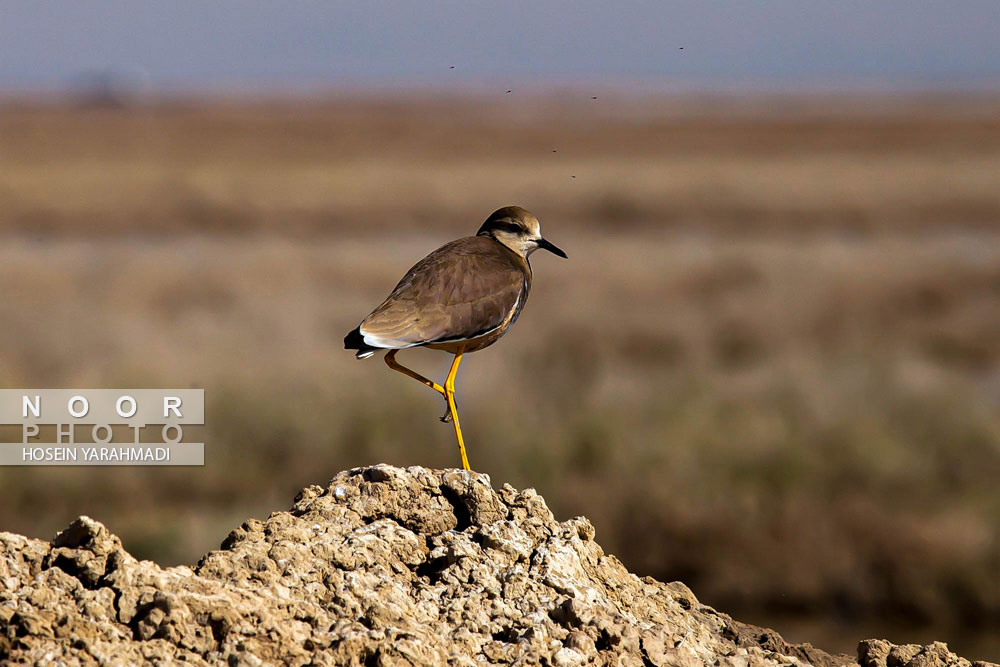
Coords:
517,229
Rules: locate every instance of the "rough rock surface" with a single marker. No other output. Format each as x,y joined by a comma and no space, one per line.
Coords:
384,566
880,653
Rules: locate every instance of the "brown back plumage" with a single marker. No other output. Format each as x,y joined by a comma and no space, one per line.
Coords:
464,290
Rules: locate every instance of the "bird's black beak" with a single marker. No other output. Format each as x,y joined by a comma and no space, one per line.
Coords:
545,245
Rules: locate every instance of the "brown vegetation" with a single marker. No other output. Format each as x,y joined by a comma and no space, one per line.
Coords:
771,367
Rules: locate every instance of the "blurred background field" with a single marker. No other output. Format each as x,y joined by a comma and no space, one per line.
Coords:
770,367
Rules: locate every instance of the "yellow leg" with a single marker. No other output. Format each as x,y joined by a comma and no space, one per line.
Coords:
449,389
390,360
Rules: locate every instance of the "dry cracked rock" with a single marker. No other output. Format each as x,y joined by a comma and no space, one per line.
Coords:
383,566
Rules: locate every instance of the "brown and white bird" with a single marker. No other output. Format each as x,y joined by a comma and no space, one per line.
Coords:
460,298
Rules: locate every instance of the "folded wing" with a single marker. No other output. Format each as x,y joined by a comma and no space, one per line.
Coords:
462,290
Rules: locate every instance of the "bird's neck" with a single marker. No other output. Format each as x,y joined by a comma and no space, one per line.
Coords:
514,249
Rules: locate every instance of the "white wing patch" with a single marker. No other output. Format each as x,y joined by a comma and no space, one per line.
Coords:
387,344
373,340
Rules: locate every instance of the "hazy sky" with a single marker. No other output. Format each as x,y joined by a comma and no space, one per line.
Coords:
779,43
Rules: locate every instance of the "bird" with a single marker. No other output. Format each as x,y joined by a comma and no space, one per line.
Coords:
459,299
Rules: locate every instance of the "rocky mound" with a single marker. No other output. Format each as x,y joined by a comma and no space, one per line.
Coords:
384,566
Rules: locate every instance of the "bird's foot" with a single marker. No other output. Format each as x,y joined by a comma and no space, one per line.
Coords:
446,417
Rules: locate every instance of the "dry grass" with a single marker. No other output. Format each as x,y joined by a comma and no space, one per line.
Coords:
321,169
771,366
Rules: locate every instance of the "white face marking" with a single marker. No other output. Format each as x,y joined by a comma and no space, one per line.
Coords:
534,229
524,242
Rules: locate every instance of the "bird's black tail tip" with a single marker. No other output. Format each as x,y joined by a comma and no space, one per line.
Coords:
355,341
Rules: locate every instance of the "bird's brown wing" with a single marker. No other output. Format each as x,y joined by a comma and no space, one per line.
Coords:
462,290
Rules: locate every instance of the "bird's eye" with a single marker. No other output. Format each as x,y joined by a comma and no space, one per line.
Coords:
511,227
